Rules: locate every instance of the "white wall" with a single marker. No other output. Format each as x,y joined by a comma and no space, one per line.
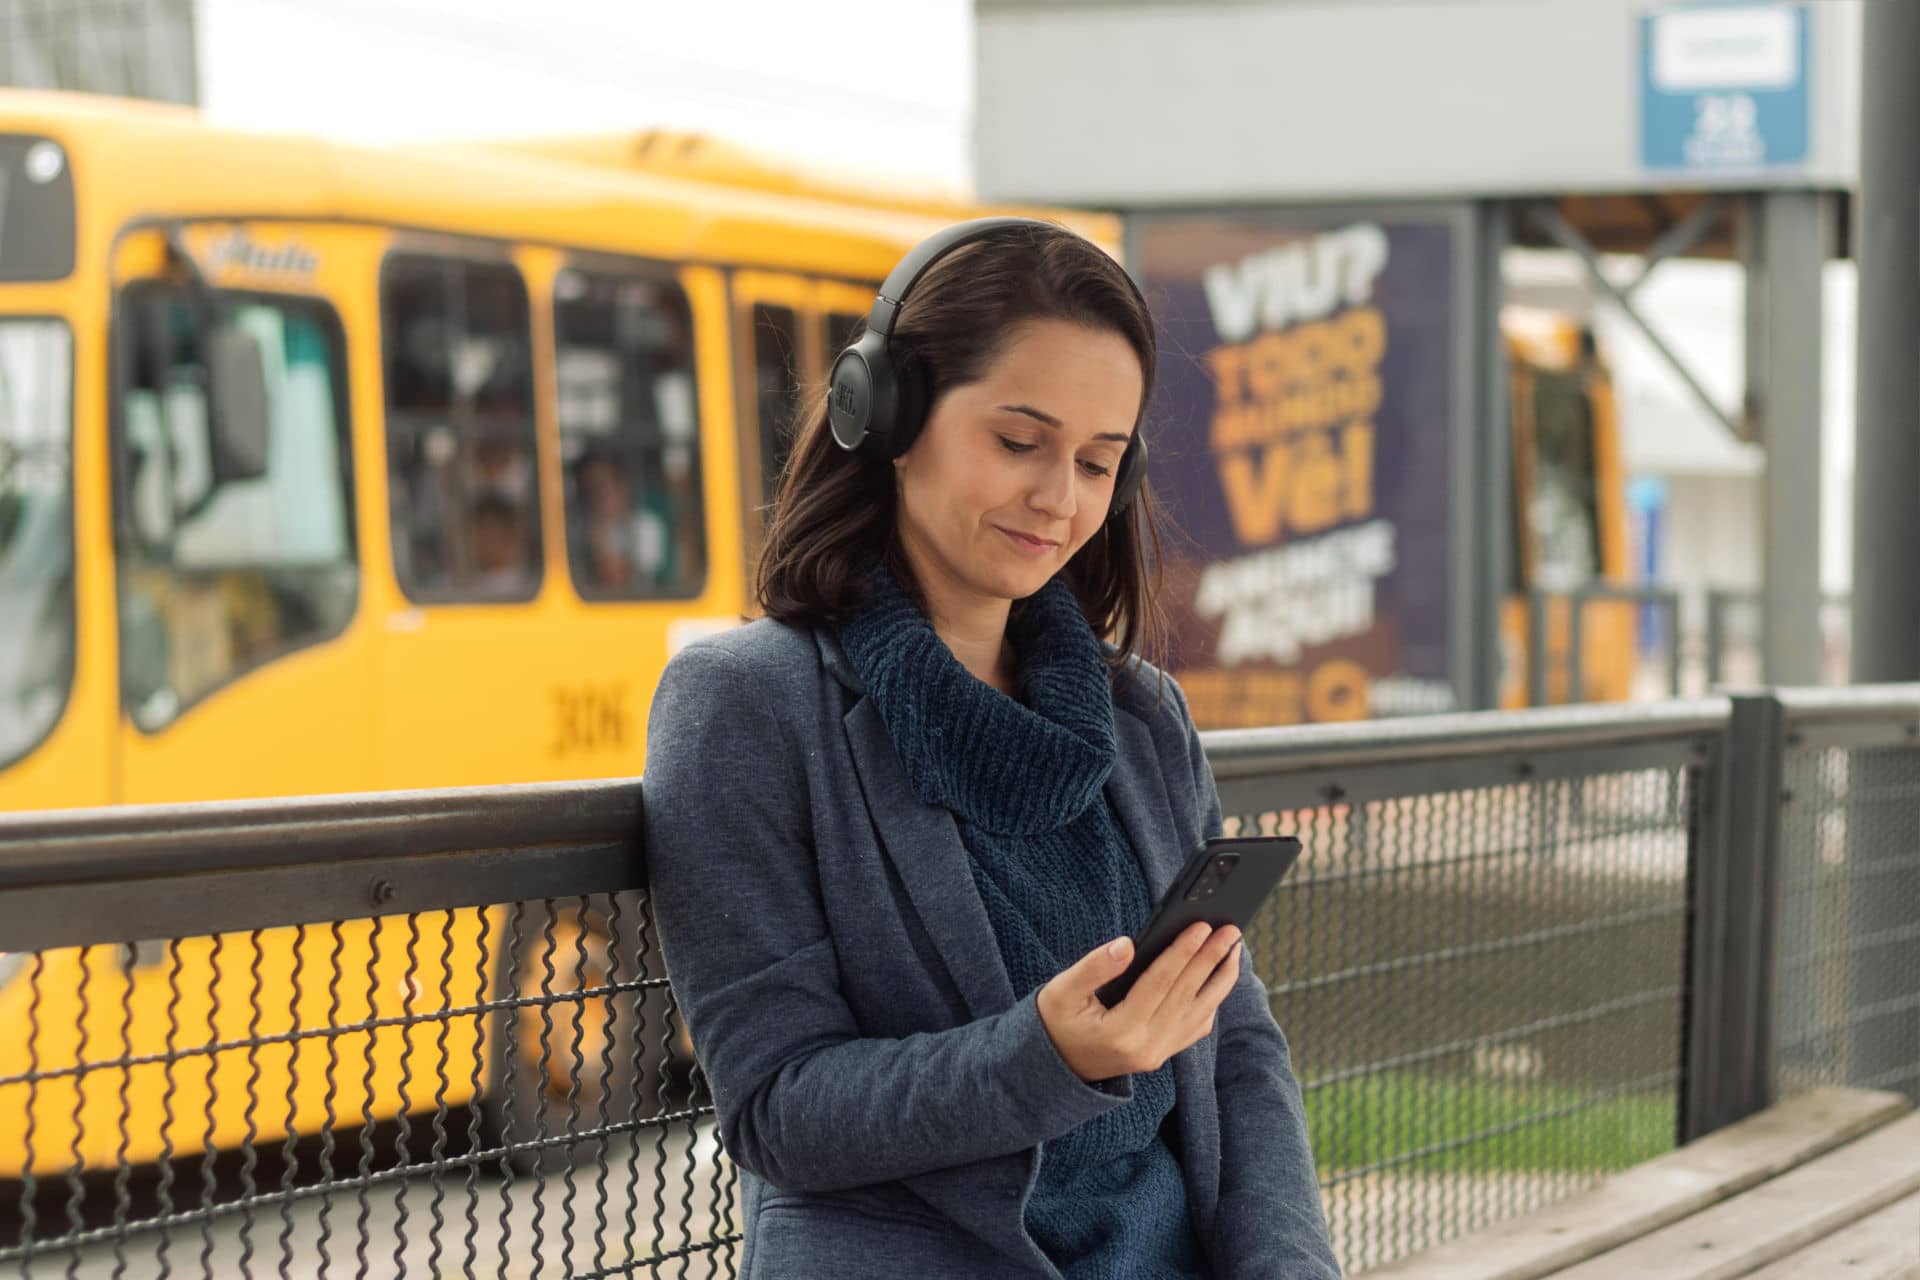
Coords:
1143,104
1713,532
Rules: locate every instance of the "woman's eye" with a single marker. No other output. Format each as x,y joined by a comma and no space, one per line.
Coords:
1094,469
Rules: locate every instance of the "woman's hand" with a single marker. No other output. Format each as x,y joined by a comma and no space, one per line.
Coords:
1170,1007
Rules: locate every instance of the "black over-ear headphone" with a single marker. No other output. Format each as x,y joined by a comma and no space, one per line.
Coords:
877,397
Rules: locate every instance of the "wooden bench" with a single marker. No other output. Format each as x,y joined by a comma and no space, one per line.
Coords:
1824,1185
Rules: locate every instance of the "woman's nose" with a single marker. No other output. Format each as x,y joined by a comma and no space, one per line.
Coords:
1055,494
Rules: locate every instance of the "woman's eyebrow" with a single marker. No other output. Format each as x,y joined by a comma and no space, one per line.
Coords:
1041,415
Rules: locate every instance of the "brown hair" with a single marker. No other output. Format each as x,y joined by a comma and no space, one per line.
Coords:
834,511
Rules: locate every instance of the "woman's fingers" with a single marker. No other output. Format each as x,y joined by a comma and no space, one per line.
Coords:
1076,1020
1150,991
1095,969
1219,984
1170,1008
1185,988
1205,1006
1203,966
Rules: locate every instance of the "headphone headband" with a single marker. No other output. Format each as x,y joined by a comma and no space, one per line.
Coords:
907,272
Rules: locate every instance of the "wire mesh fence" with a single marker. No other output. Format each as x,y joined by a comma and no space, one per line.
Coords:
380,1096
1481,988
452,1092
216,1061
1847,984
431,1035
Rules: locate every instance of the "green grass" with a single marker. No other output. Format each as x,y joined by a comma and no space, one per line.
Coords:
1534,1126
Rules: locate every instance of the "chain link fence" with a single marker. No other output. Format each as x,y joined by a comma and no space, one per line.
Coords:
429,1034
1480,969
502,1090
1847,984
475,1085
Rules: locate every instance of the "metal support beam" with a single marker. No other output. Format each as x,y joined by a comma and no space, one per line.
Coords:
1484,487
1789,237
1563,233
1886,515
1537,649
1680,237
1886,245
1733,896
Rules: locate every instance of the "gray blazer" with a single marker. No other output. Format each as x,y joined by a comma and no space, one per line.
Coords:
882,1091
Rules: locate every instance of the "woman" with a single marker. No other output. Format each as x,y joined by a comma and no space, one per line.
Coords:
899,829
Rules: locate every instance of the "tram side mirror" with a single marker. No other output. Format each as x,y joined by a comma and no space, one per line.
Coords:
237,371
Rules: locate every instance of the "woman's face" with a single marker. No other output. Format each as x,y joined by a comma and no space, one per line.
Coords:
1014,473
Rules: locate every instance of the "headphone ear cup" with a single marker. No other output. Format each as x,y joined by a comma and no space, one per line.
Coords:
912,391
1132,473
862,397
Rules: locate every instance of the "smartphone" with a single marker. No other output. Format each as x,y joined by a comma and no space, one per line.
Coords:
1224,883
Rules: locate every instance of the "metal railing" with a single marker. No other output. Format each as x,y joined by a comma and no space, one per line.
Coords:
1481,962
1543,657
216,1065
1732,642
1846,1007
1521,951
1696,642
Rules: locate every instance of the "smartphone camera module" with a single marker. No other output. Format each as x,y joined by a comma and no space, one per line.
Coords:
1211,879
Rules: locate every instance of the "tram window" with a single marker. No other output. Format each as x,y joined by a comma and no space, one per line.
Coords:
1562,511
842,328
463,476
220,574
776,343
629,436
37,623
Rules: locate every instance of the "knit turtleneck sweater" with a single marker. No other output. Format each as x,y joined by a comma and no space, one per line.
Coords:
1025,780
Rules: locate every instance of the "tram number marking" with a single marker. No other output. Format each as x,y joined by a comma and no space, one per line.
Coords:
588,719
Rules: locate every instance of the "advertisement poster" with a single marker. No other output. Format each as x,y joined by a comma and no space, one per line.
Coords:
1302,427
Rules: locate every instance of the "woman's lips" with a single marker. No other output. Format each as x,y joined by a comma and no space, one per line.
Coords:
1026,541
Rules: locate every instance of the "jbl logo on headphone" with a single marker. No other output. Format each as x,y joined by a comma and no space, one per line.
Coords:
844,400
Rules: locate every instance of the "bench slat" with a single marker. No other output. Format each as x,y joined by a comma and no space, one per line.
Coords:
1659,1192
1882,1246
1776,1218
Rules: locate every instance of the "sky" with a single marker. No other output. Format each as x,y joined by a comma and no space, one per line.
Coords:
883,85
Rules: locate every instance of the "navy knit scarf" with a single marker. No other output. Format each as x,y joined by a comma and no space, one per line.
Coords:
1024,779
1004,766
